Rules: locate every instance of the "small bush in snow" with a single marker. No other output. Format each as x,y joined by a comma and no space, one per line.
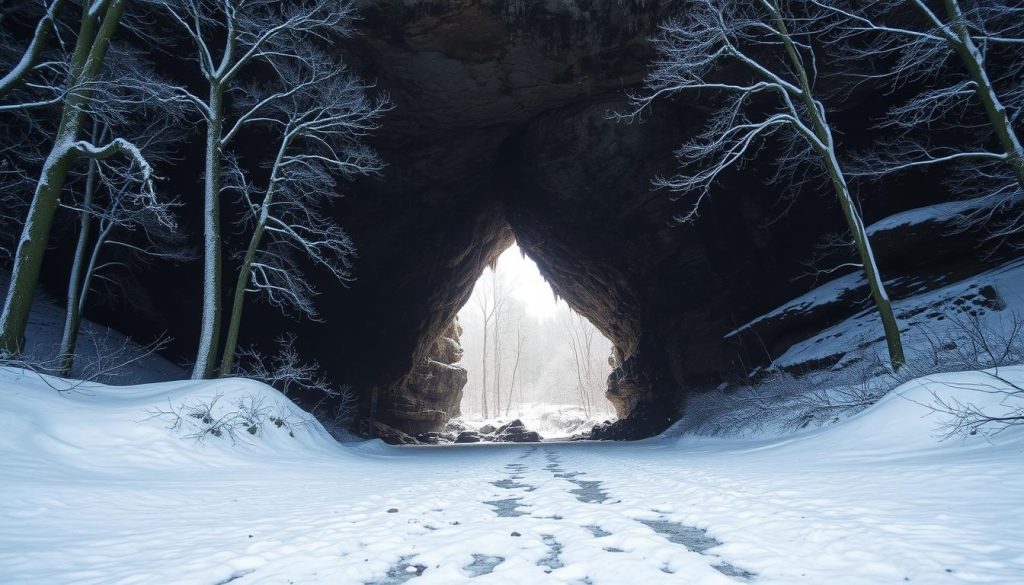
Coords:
250,415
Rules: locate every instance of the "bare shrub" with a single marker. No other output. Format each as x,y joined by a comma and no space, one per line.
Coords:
247,417
285,370
108,365
967,418
336,412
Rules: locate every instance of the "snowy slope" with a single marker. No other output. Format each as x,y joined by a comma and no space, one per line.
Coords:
939,213
922,317
98,347
96,489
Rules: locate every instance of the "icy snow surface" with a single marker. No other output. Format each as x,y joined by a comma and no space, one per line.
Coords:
939,213
94,488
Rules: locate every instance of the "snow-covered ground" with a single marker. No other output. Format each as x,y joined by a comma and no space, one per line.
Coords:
96,488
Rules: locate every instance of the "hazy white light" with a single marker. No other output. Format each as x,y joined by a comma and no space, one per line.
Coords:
527,284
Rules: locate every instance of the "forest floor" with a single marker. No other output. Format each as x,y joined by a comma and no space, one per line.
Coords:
126,485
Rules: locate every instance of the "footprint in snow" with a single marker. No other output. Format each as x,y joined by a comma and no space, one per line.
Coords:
553,559
400,572
696,540
507,508
483,565
511,484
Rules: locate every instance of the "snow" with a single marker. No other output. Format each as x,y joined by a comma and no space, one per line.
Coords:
939,213
829,292
920,316
98,347
96,489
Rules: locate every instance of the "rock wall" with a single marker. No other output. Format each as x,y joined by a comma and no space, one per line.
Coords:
430,394
501,130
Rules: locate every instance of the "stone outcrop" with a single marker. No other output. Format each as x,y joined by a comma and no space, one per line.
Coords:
515,432
430,395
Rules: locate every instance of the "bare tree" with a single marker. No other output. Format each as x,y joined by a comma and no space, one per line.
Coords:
321,123
485,303
500,297
80,88
520,341
230,36
140,228
579,335
29,59
285,370
774,46
970,60
491,295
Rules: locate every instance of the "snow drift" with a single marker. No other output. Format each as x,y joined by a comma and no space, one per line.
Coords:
102,484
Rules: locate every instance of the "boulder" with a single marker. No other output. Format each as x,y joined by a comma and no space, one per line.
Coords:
468,437
392,435
432,438
516,424
516,432
455,426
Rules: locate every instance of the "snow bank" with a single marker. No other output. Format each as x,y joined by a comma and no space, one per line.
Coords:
918,416
915,417
938,213
94,426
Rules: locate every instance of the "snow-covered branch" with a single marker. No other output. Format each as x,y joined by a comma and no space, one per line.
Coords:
970,60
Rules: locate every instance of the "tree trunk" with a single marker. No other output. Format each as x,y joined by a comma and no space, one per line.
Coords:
971,56
515,367
875,283
209,332
853,219
497,356
483,373
231,343
87,58
73,313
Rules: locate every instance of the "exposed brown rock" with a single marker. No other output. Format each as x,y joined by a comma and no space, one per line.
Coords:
431,394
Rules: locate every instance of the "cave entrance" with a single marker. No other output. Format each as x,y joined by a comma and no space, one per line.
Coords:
529,355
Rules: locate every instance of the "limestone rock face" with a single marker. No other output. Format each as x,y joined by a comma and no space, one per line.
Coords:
432,392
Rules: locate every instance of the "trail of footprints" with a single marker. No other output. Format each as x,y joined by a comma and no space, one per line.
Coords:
694,539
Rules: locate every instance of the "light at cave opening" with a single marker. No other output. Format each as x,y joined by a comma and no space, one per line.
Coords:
530,354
